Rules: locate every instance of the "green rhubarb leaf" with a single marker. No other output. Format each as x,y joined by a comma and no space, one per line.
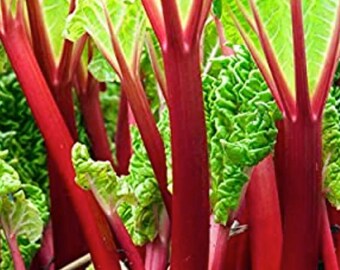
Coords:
184,7
101,69
21,217
97,176
22,147
240,116
241,15
55,13
20,135
217,8
331,149
127,18
276,19
18,215
319,26
141,217
319,19
9,179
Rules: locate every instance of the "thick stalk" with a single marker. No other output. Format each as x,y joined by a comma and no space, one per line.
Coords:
59,143
237,253
265,231
190,223
65,222
219,235
15,252
300,191
75,247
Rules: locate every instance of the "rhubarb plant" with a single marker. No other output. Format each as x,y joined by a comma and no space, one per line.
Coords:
182,129
281,37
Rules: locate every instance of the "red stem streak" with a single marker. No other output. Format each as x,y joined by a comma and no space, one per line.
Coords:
94,123
334,220
300,62
173,27
226,51
123,238
156,19
15,252
156,68
157,252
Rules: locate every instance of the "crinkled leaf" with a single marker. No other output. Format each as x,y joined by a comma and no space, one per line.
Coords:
21,217
240,115
331,149
98,176
9,179
141,216
38,198
19,134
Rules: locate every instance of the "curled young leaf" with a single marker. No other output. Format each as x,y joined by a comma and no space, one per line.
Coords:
241,115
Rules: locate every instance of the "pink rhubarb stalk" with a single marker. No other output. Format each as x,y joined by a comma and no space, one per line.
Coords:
57,76
265,230
57,139
180,49
18,261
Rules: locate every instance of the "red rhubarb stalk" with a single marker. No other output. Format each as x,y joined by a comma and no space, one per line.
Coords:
236,254
180,49
219,236
123,137
93,119
58,141
58,80
135,261
18,261
157,252
265,230
327,246
137,99
44,257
